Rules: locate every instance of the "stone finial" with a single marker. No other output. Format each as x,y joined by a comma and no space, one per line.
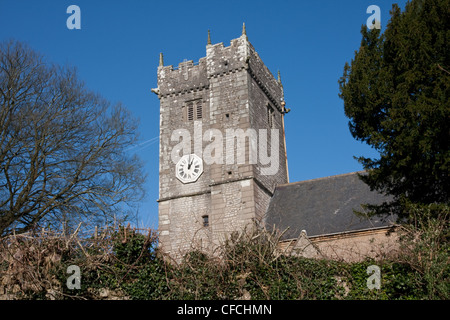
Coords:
244,32
279,78
161,60
209,37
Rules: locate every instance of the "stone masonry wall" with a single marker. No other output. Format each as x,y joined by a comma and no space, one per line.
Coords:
234,87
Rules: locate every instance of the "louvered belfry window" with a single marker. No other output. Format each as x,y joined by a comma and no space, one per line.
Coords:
190,111
194,110
270,115
199,110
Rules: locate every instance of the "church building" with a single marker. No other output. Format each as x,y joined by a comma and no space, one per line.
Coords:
223,164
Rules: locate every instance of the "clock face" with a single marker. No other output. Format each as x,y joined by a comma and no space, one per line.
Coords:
189,168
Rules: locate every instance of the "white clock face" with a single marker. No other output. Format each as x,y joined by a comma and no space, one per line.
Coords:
189,168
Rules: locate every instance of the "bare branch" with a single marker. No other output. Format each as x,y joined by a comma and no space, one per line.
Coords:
62,147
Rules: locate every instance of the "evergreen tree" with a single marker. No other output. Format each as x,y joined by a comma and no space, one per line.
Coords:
396,95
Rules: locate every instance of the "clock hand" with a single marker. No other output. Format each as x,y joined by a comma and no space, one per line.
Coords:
190,162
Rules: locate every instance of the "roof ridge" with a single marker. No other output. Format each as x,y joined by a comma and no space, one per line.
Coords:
321,178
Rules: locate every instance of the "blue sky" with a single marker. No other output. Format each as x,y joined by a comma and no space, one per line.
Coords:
116,52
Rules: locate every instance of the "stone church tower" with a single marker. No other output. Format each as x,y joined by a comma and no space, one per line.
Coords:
222,145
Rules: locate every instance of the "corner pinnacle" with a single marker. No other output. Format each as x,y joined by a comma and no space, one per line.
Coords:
244,32
209,37
161,60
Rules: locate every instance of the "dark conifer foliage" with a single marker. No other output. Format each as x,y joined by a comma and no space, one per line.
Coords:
396,95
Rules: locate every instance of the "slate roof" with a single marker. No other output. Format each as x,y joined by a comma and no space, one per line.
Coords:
324,206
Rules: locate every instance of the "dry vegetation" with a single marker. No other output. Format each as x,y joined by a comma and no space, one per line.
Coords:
124,263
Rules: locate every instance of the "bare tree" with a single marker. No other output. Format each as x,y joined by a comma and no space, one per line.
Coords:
62,147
